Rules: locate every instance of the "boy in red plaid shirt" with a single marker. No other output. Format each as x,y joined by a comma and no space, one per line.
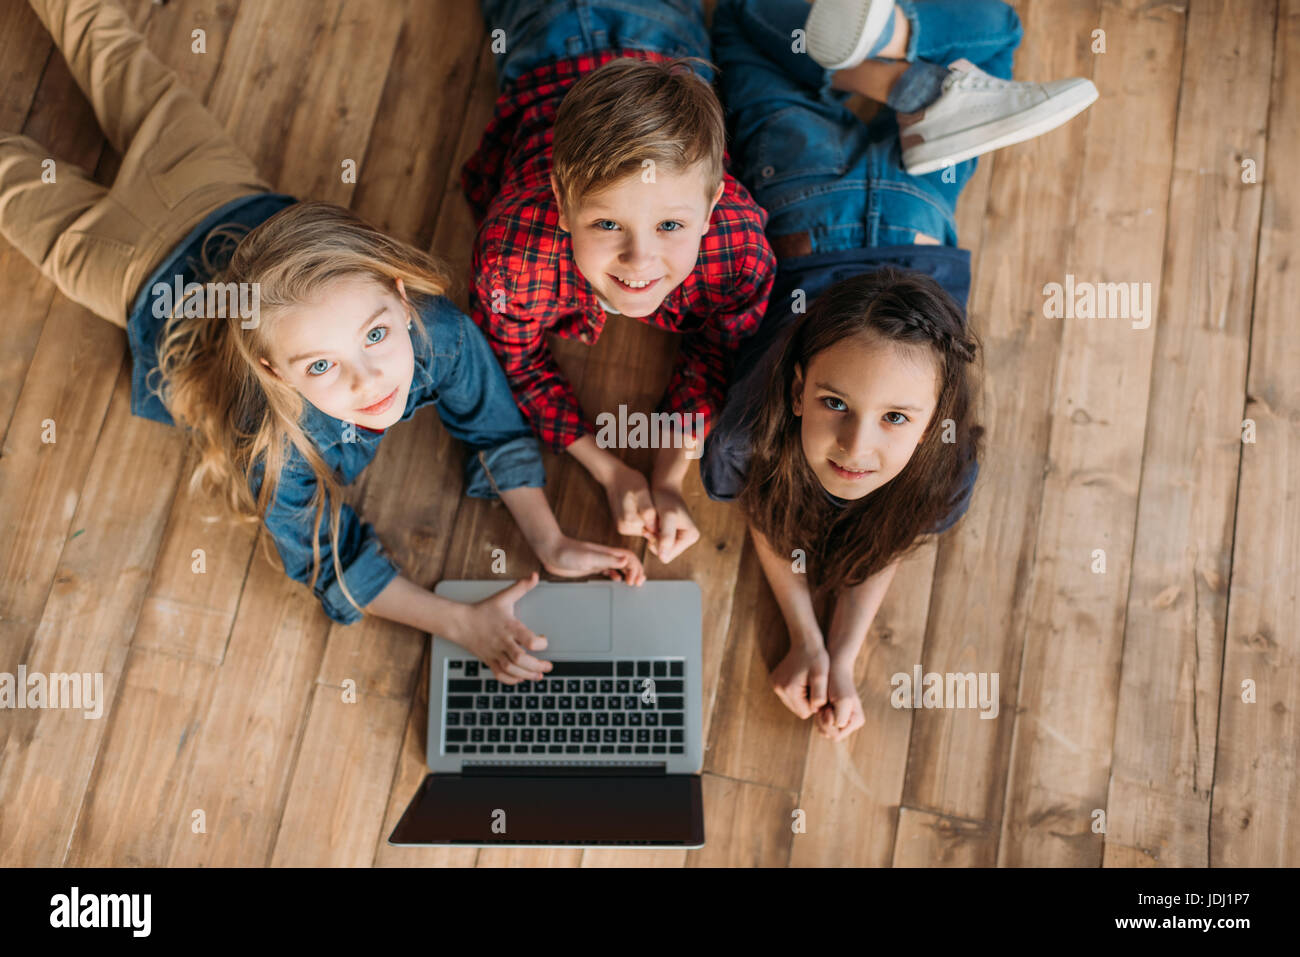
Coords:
600,187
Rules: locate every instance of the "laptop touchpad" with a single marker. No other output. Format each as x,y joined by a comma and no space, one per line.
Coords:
573,616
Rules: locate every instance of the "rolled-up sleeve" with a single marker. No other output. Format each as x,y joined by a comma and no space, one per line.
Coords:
367,568
477,407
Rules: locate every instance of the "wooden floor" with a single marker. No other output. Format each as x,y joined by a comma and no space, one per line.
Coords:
1148,712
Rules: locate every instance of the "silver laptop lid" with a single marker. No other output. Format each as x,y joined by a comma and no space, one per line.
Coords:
653,631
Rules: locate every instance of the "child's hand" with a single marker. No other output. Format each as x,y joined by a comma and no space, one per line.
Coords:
572,558
800,679
629,500
676,531
502,641
842,713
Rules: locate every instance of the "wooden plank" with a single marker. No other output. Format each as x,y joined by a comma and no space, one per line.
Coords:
287,101
25,48
453,239
1256,791
250,733
1064,717
633,857
39,491
530,857
99,585
133,803
169,29
335,810
926,839
753,736
746,825
1166,723
198,579
69,385
422,110
851,789
957,762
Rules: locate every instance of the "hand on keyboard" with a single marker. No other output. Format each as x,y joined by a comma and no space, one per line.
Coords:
502,641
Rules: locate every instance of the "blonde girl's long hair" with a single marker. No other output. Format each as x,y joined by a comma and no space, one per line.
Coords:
238,414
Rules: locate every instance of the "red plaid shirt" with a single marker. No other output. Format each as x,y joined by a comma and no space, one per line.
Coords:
523,263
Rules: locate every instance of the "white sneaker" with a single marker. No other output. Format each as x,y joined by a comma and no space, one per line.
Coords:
840,32
977,113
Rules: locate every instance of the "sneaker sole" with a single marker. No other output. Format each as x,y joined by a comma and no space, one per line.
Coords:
828,35
1007,131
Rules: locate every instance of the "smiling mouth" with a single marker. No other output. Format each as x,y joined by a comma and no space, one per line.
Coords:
379,406
851,474
635,285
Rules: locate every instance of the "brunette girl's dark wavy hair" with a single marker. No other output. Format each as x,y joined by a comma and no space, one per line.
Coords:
782,497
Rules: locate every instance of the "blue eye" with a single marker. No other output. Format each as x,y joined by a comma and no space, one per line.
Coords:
670,223
607,225
900,415
369,341
828,399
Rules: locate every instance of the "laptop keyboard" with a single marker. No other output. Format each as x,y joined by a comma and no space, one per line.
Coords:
605,707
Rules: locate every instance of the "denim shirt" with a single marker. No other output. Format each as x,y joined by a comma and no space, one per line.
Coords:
455,369
724,463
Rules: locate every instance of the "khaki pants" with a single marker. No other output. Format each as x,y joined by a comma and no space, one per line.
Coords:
99,245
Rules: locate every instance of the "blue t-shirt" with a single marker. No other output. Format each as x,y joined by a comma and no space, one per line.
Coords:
729,446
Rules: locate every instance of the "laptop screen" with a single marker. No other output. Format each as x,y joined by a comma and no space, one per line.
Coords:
549,808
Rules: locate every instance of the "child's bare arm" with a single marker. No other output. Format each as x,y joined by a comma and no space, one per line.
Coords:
565,556
488,628
855,610
792,593
675,530
405,602
800,680
626,489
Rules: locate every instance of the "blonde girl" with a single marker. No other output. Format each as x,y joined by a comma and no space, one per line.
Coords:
285,338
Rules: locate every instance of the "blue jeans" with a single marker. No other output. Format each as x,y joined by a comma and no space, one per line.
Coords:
538,31
827,179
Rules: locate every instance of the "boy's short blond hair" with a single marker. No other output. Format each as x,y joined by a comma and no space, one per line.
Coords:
632,110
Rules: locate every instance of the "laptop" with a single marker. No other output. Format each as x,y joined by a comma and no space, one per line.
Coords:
605,750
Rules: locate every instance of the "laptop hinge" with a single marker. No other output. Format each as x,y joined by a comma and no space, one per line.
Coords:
563,770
